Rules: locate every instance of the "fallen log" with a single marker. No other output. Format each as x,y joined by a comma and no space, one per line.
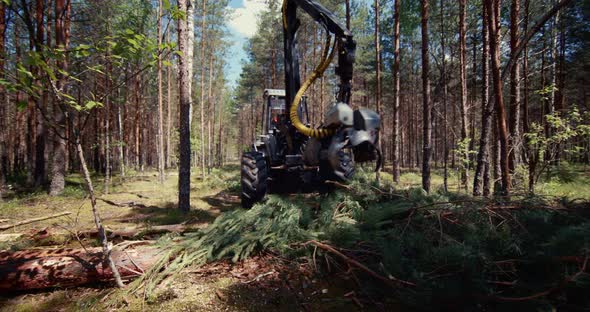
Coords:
142,231
10,226
39,269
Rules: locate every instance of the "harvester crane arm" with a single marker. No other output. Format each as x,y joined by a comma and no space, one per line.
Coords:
344,44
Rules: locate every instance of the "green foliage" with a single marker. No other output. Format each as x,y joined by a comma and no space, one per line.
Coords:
464,153
563,128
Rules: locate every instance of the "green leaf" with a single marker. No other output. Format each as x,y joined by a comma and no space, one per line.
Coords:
92,104
23,70
166,5
95,68
133,42
167,63
83,47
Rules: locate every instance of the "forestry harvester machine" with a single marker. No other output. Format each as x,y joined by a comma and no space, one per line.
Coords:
291,153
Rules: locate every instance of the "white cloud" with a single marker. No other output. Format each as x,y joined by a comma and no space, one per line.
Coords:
245,19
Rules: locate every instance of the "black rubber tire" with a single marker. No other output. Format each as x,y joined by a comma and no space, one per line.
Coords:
254,176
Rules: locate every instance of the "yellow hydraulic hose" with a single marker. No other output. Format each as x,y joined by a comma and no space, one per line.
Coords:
318,72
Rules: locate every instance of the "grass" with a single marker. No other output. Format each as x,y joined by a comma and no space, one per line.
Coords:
150,204
568,180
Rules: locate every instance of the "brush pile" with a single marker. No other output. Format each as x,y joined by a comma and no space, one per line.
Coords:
445,250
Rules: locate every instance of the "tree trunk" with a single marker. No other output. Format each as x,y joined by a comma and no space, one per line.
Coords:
486,113
3,102
169,117
513,124
184,81
69,267
202,103
107,115
160,135
444,99
463,93
107,134
121,126
426,105
396,90
378,76
62,14
549,154
210,111
40,138
531,154
493,7
137,124
220,134
559,101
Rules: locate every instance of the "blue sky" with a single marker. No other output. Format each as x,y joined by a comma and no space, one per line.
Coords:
242,26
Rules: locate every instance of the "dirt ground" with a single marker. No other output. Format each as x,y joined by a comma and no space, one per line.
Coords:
263,283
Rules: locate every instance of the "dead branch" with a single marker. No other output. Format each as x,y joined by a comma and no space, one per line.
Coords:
359,265
123,204
338,184
548,291
28,221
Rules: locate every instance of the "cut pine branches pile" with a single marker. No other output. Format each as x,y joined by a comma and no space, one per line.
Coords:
443,249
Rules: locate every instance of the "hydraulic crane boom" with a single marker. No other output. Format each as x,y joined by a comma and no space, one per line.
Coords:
345,44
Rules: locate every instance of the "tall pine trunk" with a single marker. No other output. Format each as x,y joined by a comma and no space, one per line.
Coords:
378,76
210,111
396,90
3,102
40,132
62,14
160,135
426,105
107,133
486,114
169,116
202,103
444,99
463,94
493,8
184,81
513,124
531,153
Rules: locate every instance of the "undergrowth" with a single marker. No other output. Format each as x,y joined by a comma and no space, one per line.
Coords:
460,252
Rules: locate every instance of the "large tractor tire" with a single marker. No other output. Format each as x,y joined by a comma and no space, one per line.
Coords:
254,178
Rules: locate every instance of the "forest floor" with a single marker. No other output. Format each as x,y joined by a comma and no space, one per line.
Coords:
266,282
138,201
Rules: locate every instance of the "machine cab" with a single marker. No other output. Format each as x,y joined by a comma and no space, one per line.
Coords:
275,110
